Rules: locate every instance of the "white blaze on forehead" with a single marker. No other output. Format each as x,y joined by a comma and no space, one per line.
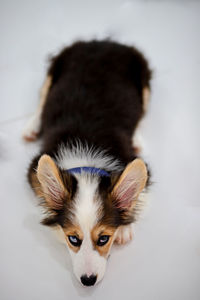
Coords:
88,207
87,212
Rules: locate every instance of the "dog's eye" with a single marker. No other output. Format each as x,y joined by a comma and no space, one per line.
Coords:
103,240
74,240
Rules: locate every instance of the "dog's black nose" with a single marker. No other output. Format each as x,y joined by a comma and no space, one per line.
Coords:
88,280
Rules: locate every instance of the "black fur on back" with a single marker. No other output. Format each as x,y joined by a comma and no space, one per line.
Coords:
95,97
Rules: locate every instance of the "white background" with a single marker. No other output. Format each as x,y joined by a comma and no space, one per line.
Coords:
163,260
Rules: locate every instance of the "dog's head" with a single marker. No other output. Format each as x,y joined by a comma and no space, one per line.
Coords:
90,208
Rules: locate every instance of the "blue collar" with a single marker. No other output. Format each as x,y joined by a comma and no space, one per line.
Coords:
91,170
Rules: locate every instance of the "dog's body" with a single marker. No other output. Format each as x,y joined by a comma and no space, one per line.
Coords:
87,172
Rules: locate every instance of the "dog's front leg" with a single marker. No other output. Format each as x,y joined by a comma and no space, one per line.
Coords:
124,234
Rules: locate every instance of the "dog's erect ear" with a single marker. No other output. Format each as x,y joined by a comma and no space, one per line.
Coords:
131,182
52,185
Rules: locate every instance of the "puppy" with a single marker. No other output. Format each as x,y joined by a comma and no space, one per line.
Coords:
87,175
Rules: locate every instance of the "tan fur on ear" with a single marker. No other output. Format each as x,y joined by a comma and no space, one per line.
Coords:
51,182
130,184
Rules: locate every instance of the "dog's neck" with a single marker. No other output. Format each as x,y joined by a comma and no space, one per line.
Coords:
79,156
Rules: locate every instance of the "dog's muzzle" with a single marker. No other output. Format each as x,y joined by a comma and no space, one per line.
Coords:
88,281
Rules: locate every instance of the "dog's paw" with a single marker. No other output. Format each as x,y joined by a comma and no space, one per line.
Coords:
124,234
32,129
30,137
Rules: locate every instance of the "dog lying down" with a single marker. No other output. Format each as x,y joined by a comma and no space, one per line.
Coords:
88,175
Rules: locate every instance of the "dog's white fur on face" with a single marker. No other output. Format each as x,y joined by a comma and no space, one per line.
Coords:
87,210
87,261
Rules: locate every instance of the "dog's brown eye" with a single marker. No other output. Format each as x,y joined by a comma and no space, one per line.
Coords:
74,240
103,239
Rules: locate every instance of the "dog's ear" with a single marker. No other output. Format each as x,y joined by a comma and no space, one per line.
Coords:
51,182
129,185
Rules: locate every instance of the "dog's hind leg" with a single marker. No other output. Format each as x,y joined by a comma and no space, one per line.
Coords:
138,141
32,129
145,98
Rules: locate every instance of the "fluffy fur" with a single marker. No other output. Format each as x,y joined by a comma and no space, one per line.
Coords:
93,98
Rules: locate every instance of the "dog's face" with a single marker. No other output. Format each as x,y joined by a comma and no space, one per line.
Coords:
89,209
89,249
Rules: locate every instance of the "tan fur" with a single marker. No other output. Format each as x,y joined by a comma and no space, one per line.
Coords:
96,232
73,230
145,96
59,234
44,91
138,167
36,184
137,138
46,164
103,230
32,129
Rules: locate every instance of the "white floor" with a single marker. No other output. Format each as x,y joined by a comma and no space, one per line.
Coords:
163,260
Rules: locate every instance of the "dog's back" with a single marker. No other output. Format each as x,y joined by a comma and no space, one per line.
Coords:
96,97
